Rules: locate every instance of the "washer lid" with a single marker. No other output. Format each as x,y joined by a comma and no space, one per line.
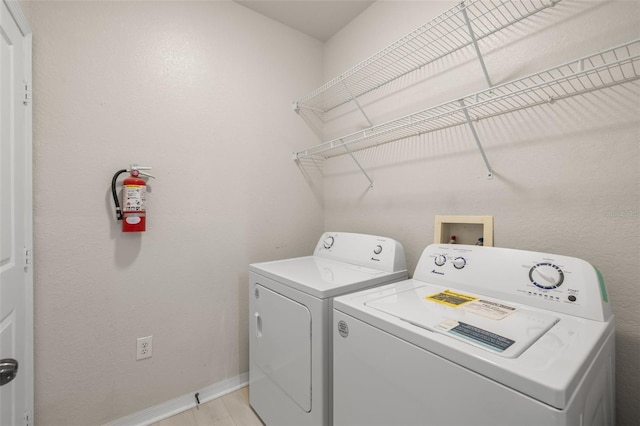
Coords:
487,323
322,277
549,370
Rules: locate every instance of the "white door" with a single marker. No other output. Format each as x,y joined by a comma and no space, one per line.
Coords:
16,276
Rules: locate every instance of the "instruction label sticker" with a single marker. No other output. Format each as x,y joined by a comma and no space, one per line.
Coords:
487,309
483,337
451,298
134,198
477,335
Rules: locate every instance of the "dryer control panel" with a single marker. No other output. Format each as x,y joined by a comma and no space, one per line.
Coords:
371,251
549,281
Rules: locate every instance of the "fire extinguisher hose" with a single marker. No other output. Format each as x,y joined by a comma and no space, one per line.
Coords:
115,195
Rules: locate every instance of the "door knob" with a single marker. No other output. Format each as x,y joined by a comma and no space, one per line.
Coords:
8,370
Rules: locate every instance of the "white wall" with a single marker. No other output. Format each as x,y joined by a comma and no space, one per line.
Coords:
202,92
567,175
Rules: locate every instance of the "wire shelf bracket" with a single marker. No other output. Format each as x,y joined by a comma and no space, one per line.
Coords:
475,46
355,100
364,172
477,139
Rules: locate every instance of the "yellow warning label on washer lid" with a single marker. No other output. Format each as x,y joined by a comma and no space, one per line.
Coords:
451,298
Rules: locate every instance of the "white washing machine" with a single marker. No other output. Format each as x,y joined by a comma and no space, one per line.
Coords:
290,308
479,336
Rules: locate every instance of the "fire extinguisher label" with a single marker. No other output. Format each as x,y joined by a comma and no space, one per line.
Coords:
135,197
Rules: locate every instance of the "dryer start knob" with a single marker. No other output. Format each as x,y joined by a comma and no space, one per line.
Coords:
440,259
459,262
328,242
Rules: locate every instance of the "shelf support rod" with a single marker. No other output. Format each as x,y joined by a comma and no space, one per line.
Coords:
477,138
475,44
297,107
353,157
354,99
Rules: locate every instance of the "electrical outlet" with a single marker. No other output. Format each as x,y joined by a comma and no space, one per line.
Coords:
144,347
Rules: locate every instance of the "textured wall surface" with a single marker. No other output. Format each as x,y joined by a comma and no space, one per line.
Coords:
567,175
201,91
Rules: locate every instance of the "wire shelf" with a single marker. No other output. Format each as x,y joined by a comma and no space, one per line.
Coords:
607,68
451,31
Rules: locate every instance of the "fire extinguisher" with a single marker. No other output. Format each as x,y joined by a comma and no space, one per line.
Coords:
134,195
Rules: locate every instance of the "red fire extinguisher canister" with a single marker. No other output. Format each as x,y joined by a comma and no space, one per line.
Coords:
134,196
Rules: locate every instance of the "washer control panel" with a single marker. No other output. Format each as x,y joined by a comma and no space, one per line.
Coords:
372,251
549,281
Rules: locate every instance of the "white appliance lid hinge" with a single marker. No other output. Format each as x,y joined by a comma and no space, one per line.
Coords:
27,94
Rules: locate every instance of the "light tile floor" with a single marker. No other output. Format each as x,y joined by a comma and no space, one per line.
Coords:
229,410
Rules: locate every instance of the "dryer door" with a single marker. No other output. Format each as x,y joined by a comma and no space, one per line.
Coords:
283,344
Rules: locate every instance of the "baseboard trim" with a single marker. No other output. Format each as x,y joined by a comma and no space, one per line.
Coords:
182,403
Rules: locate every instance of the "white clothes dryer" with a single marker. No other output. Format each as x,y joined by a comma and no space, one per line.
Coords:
290,308
479,336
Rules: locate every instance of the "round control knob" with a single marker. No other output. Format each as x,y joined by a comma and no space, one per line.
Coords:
459,262
378,249
328,242
440,260
546,275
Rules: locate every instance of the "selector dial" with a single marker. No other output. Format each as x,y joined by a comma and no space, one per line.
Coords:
328,242
378,249
459,262
546,275
440,260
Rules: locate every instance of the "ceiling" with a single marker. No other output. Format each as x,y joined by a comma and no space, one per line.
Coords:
320,19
